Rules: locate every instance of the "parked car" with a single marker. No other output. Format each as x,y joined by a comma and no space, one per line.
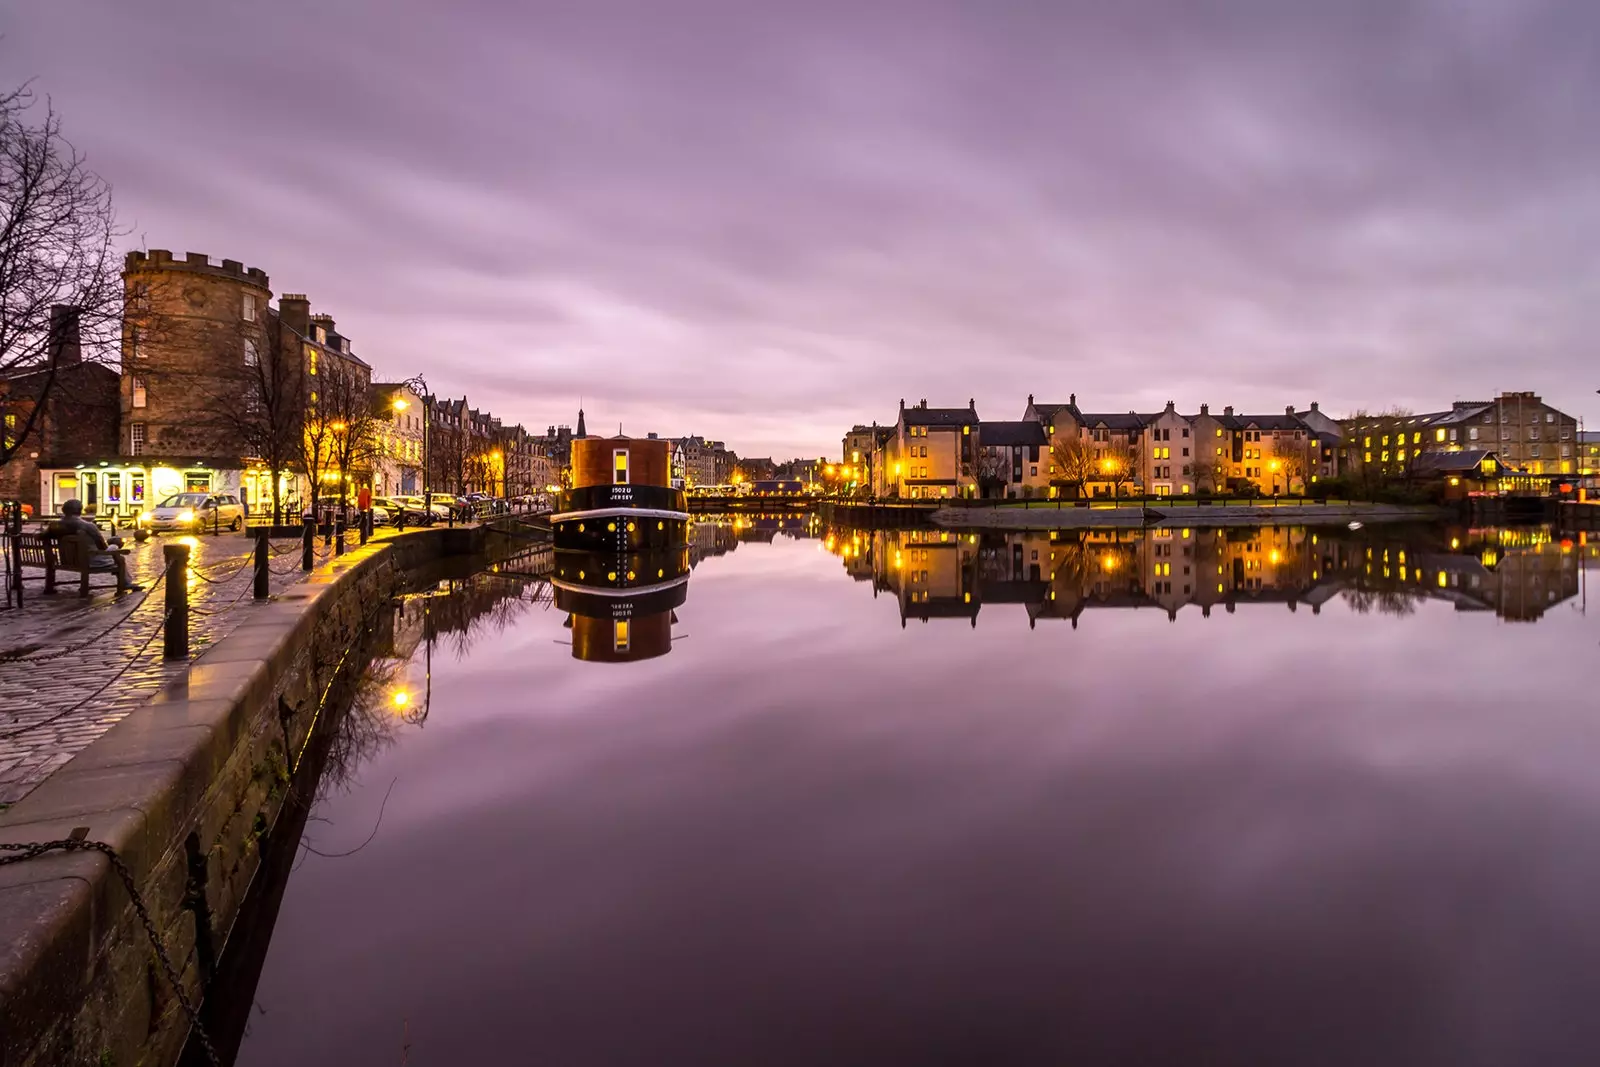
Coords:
194,511
328,507
394,506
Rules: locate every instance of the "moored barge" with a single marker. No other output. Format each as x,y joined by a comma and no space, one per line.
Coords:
621,500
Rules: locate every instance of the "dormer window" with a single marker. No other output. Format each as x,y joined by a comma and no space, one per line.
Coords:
320,334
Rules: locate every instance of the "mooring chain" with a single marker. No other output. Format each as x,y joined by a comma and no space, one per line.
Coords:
45,657
78,843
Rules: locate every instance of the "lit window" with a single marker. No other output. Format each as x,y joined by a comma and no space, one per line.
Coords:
619,468
619,635
1438,435
138,393
1416,438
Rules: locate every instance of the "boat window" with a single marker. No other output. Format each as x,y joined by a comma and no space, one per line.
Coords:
619,467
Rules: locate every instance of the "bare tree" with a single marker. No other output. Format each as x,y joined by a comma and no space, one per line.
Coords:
993,467
346,408
1074,463
1118,463
57,237
1289,463
259,398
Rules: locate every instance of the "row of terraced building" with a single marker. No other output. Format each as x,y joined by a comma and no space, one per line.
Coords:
1060,450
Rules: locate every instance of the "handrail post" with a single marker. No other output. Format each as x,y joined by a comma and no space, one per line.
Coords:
338,535
262,587
308,542
175,630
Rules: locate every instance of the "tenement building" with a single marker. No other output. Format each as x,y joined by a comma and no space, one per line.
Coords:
60,418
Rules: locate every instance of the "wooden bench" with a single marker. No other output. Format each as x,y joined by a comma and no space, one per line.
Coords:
54,552
80,555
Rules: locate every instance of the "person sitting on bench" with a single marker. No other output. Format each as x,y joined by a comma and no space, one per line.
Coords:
102,558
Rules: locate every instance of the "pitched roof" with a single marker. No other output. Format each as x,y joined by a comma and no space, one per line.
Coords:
1048,412
1452,461
921,416
1131,420
1280,421
1026,432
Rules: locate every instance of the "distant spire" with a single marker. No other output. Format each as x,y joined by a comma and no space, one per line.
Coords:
581,431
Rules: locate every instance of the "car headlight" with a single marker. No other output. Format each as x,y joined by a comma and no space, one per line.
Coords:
145,516
185,516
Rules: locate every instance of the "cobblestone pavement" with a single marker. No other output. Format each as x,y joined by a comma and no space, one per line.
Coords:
69,647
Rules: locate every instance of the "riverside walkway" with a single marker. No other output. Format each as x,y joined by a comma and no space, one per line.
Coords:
71,668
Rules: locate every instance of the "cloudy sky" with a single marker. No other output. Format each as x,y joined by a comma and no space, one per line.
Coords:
766,221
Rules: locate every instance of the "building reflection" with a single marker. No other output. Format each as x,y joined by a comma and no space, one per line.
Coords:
1517,574
621,608
717,535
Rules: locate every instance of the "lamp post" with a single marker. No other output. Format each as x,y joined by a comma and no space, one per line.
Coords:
419,385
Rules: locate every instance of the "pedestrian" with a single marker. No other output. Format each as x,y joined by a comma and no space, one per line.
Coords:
107,555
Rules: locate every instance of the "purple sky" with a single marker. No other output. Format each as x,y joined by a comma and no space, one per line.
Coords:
763,222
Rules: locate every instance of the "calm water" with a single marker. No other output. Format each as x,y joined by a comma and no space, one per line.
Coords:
1242,797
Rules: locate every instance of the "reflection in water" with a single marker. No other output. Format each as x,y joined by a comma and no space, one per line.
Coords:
812,836
620,609
1060,574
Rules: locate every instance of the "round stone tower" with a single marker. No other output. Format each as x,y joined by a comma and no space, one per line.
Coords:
194,329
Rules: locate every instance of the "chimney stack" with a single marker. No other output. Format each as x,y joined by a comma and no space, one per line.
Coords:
1030,400
1228,411
1205,409
66,346
1072,398
294,311
972,404
1289,411
1315,408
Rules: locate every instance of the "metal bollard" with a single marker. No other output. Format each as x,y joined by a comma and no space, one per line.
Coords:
261,562
175,631
338,536
327,538
308,543
366,526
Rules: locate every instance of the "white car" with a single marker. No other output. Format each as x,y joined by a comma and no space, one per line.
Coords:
195,512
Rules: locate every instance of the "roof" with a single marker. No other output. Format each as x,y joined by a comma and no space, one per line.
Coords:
921,416
1281,421
1452,461
1026,432
1048,412
1131,420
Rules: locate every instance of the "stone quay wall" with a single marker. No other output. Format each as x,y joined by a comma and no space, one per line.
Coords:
185,789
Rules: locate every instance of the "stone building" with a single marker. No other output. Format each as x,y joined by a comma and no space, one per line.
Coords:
72,405
935,452
1013,459
1525,432
399,441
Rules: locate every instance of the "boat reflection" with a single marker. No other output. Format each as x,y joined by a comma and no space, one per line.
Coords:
621,608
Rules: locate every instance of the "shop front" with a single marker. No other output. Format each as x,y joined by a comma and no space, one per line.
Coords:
117,491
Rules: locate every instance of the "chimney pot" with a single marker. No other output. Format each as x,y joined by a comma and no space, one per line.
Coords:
1072,398
65,344
1314,407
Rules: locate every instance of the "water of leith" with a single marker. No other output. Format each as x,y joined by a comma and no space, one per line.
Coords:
1199,797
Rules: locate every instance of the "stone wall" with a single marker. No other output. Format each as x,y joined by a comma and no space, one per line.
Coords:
186,789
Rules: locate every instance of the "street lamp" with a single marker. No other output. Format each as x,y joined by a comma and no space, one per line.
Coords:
419,385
